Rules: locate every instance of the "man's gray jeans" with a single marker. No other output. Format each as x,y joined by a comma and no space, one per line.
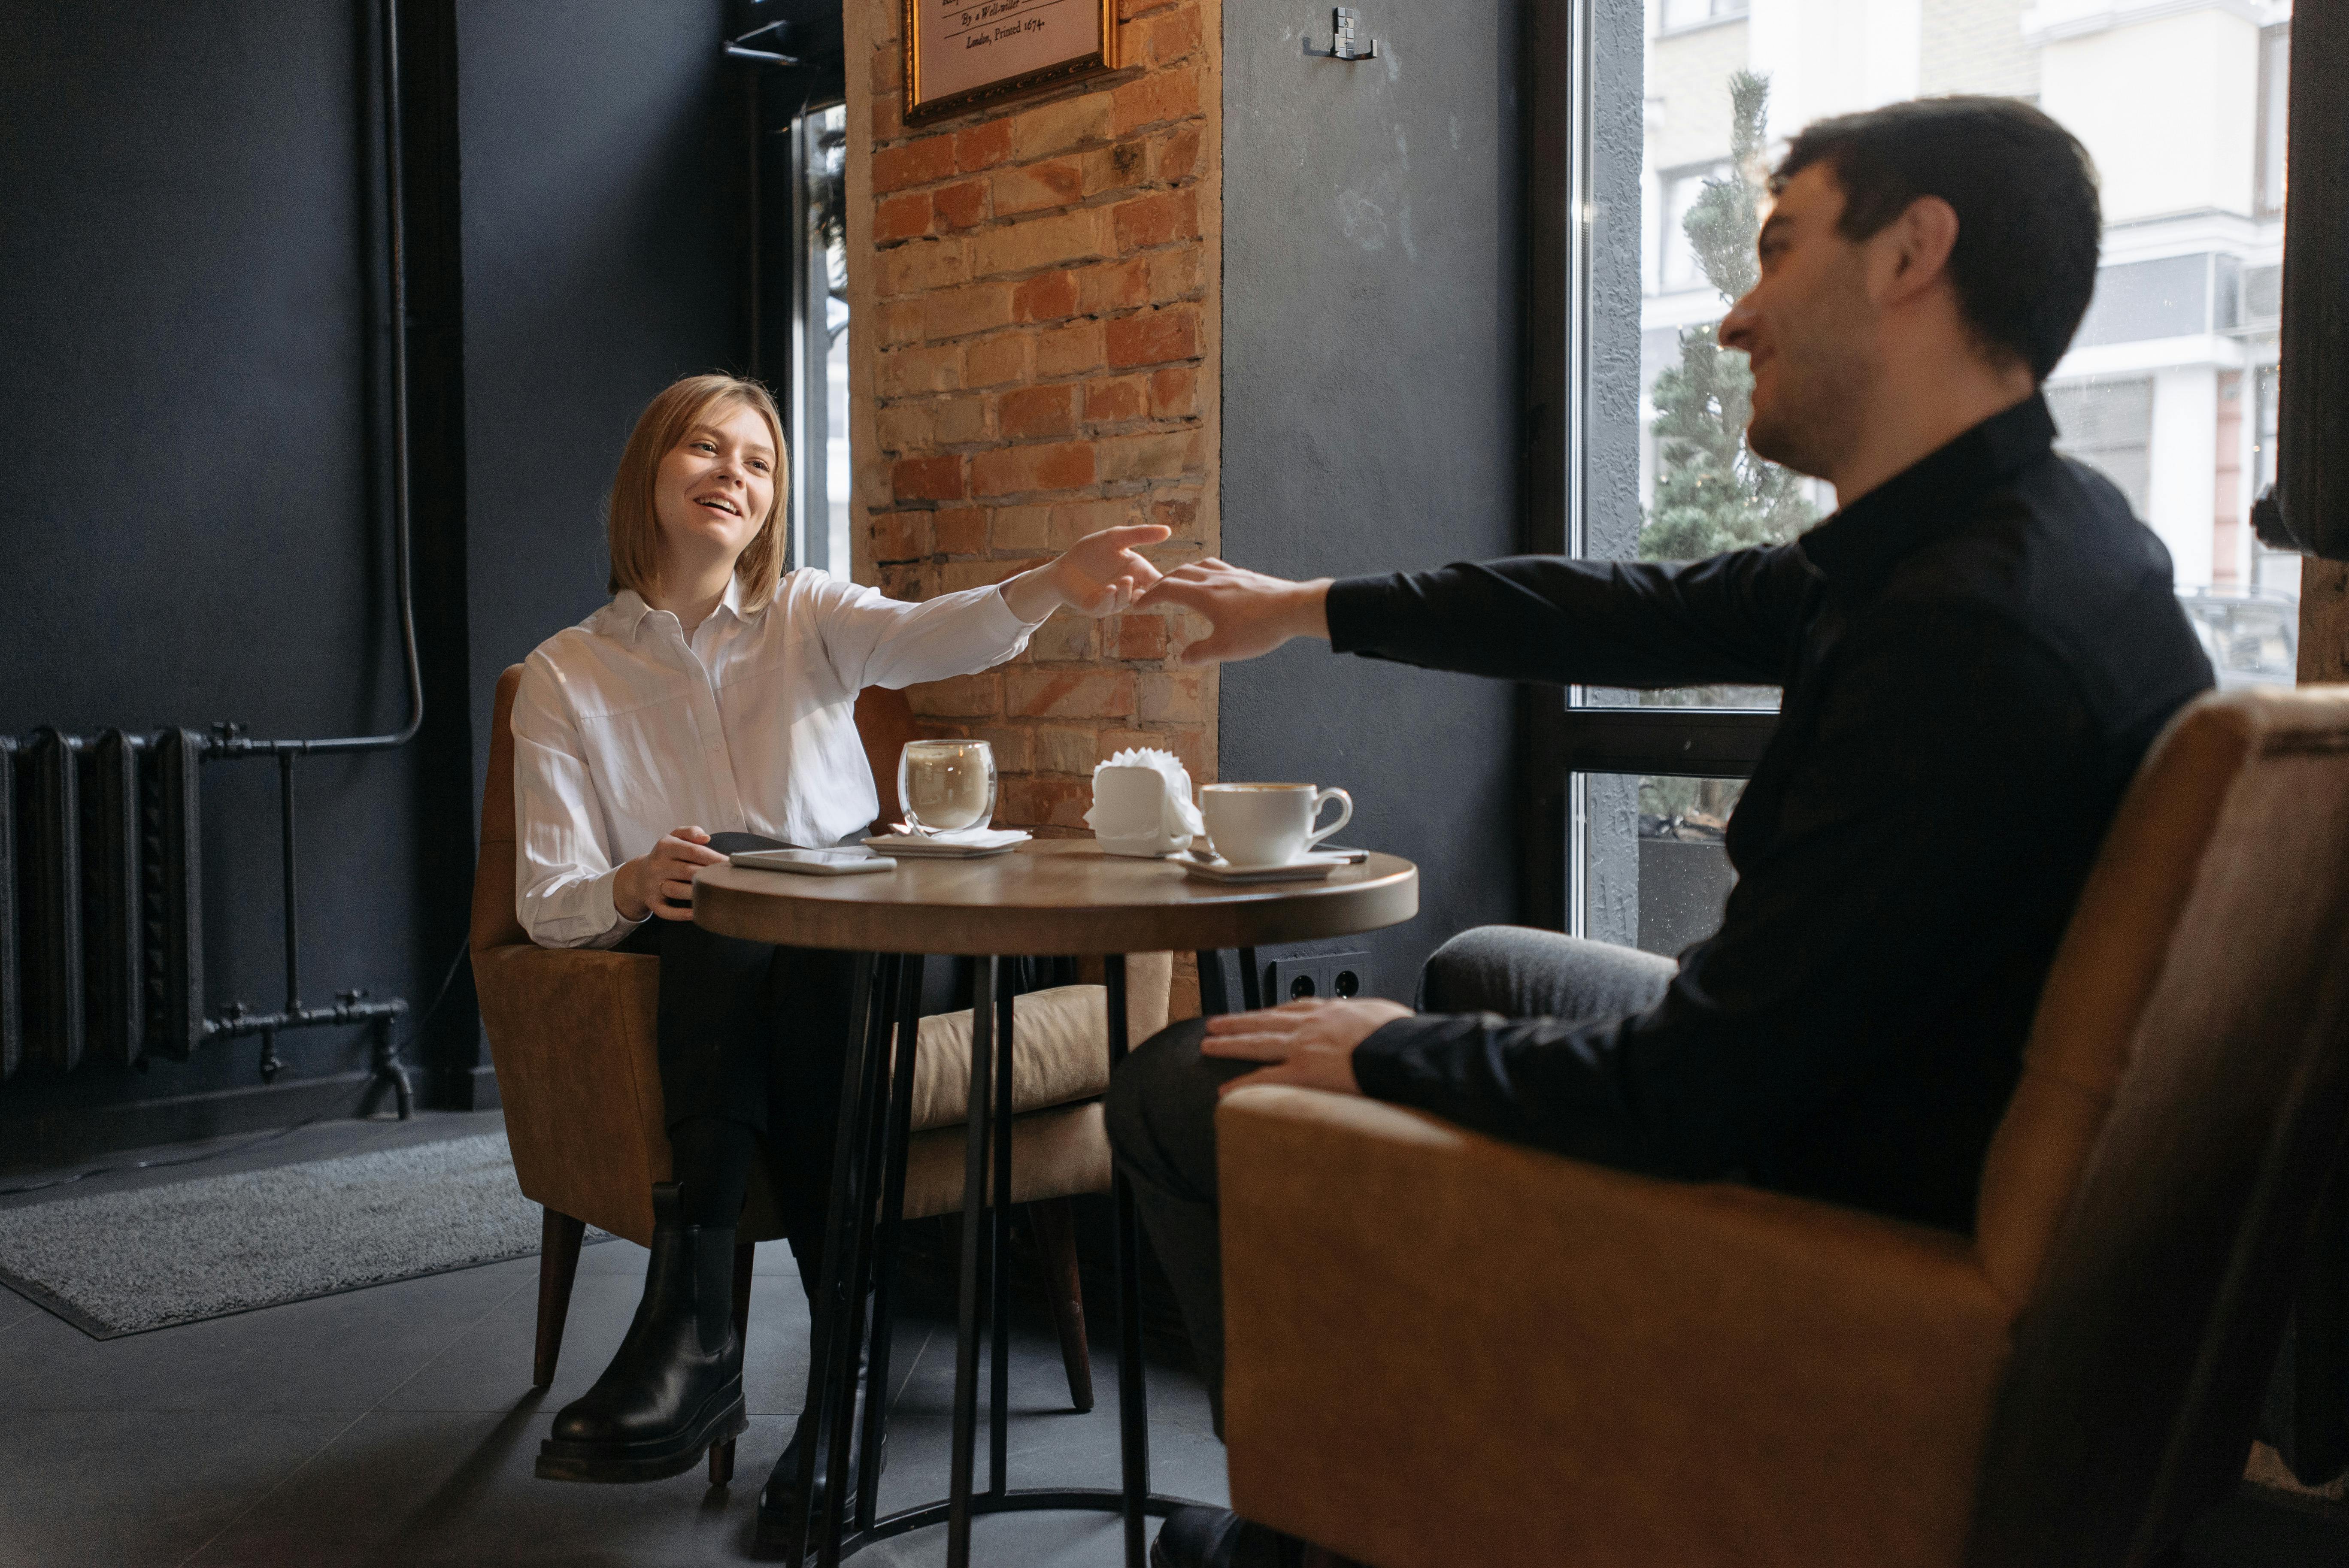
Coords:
1162,1101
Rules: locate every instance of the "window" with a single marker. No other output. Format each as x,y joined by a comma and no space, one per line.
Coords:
1696,13
818,435
2108,425
1677,264
2275,81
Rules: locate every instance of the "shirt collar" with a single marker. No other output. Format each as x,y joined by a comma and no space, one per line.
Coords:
1859,545
629,608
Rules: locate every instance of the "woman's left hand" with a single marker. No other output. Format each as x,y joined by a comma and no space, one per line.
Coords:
1099,575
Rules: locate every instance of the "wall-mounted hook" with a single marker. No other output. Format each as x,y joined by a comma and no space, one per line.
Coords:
1346,45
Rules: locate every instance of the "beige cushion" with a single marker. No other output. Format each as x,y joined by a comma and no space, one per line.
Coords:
1060,1053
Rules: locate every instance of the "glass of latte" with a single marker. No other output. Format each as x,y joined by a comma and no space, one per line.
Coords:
945,785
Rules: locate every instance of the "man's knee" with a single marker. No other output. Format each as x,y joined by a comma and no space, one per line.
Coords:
1465,974
1162,1099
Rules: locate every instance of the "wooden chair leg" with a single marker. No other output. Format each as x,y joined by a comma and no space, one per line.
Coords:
1055,1221
558,1267
721,1455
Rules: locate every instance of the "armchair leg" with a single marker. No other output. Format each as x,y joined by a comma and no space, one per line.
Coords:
1056,1252
721,1455
558,1267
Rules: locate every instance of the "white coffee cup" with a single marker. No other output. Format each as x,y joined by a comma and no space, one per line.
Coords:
1269,825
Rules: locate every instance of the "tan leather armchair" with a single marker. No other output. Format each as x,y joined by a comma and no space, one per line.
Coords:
1445,1349
572,1035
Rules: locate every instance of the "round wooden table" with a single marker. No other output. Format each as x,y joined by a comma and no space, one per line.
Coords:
1059,898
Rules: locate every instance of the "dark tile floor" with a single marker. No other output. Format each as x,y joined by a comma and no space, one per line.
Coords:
396,1425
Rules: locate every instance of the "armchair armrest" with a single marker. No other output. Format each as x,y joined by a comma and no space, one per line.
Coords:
1443,1349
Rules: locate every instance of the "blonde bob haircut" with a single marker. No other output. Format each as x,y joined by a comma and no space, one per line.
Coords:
631,524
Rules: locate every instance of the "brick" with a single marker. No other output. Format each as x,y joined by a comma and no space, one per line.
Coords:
889,70
1159,95
1071,521
1067,639
906,581
1141,638
1177,275
1155,338
1046,297
1116,400
1174,35
927,479
965,696
1020,528
1059,750
904,372
958,531
1060,126
1037,411
1169,698
1034,187
1164,456
1110,742
1152,220
1174,392
903,217
1030,693
1190,748
1039,242
922,162
906,426
911,269
1015,749
961,420
1012,470
1030,801
1070,350
983,146
889,124
900,535
1179,518
1117,168
973,307
1112,286
901,321
1176,155
955,576
994,361
959,206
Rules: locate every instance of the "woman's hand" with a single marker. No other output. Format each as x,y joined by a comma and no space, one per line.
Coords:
1310,1044
1099,575
1252,613
661,881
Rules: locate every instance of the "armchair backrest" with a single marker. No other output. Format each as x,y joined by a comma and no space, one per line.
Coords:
2183,1095
885,722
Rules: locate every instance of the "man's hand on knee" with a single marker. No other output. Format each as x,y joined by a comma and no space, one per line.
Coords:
1310,1044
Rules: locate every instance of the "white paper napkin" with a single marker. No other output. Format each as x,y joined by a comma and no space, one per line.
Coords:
1179,819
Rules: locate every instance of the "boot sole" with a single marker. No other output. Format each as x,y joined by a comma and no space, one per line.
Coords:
723,1416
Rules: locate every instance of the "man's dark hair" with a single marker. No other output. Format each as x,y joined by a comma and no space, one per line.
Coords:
2024,191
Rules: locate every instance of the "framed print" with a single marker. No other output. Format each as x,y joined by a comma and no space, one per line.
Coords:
962,53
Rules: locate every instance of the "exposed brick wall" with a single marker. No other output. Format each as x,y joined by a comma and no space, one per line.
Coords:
1033,356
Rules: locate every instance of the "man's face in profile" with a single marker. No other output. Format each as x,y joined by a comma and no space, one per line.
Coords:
1808,327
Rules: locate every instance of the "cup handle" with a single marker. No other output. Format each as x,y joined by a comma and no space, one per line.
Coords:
1345,814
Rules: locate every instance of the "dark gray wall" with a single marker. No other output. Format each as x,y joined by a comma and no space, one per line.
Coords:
1372,385
601,242
190,388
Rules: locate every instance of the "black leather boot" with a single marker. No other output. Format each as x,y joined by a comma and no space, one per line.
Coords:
675,1386
779,1500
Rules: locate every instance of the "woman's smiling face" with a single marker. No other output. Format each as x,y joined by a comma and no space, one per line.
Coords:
716,486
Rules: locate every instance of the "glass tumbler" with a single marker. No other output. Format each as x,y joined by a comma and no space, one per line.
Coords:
946,785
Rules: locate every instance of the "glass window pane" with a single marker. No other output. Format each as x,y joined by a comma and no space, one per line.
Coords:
1655,869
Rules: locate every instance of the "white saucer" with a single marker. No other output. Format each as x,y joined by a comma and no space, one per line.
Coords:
966,844
1313,867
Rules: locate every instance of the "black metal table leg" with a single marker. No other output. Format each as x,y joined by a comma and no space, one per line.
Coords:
1133,1397
974,1196
1251,981
900,1114
998,1248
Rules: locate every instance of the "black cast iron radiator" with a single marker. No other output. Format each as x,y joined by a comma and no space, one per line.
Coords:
101,906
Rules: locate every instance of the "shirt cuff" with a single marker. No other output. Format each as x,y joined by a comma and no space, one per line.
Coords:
1357,607
603,893
1382,1067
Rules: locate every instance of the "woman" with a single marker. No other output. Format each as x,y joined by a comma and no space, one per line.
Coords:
715,693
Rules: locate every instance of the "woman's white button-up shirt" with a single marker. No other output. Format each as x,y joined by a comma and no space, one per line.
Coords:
623,730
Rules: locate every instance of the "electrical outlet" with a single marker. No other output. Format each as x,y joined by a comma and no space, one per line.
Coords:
1333,976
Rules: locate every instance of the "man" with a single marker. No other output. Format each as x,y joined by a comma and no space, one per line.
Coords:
1976,651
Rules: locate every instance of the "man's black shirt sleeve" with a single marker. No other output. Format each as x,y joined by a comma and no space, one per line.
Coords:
1734,618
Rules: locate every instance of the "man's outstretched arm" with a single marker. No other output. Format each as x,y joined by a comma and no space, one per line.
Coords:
1545,618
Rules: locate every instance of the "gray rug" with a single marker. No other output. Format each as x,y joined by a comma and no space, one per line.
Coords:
125,1263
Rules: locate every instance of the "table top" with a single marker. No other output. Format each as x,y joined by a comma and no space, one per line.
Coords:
1061,896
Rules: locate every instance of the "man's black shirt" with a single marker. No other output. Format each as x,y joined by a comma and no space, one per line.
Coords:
1975,657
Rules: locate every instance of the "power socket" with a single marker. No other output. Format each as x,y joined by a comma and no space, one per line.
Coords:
1337,977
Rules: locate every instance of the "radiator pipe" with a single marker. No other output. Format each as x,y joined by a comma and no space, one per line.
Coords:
286,855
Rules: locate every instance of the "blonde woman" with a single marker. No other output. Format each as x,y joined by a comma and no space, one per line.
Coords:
710,708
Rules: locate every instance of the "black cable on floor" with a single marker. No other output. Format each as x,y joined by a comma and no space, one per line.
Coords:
448,978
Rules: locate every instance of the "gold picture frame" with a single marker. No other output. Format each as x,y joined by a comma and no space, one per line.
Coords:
960,54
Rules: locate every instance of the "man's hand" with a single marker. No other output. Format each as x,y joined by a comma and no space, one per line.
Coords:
648,884
1307,1043
1253,613
1100,575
